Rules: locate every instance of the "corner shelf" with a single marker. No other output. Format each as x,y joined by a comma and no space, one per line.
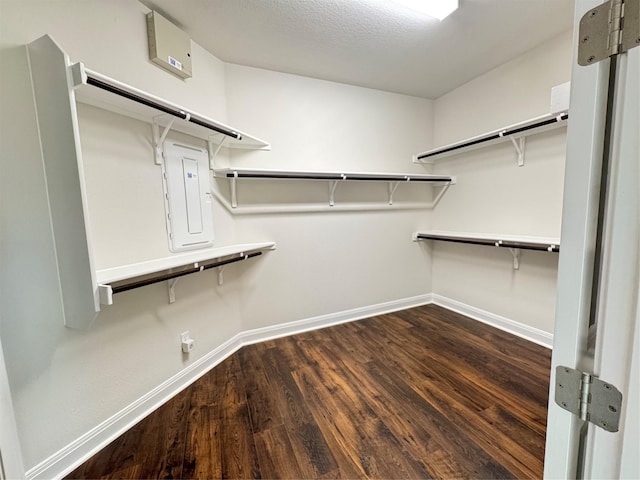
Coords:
514,243
511,133
57,87
96,89
394,179
127,277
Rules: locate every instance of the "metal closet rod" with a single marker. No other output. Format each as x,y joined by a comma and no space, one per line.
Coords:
495,136
494,243
168,276
337,176
149,103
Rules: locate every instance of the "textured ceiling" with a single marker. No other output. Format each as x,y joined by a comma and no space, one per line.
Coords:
370,43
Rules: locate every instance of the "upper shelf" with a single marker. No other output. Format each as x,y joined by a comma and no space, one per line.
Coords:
528,127
315,175
101,91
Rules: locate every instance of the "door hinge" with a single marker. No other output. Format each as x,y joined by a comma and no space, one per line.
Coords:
589,398
609,29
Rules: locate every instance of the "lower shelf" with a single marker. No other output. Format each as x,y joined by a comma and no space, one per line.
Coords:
546,244
128,277
393,179
514,243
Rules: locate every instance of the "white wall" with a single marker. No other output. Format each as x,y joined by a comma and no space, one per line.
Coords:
10,455
314,124
65,382
494,195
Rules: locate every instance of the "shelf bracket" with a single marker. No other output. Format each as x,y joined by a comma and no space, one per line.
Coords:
392,190
171,285
519,146
332,190
221,268
516,258
105,293
234,189
214,149
441,193
158,138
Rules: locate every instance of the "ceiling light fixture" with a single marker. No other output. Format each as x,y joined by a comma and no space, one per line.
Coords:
434,8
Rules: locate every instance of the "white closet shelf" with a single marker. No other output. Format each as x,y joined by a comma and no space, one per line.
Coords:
510,133
513,243
127,277
99,90
394,179
548,244
263,173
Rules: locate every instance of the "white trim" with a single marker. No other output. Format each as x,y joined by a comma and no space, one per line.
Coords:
532,334
314,323
81,449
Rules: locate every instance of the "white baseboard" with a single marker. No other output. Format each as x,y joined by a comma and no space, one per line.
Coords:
532,334
322,321
73,455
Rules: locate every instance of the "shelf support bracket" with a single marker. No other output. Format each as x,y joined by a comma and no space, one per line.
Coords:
234,190
158,138
105,293
171,284
441,193
214,149
519,146
332,190
392,190
516,258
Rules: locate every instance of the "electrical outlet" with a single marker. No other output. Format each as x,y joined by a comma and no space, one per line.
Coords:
186,342
188,345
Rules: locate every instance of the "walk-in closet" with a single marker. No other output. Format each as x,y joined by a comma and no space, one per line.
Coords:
318,239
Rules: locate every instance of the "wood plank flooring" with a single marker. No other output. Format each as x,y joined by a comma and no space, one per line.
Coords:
420,393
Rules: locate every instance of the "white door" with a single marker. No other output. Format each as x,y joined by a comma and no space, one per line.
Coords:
599,269
10,458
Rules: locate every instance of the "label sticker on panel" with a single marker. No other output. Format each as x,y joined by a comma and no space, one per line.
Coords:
175,63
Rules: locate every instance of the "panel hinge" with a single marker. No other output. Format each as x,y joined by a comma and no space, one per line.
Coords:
589,398
609,29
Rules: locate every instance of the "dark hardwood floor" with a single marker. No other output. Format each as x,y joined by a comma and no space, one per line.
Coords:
420,393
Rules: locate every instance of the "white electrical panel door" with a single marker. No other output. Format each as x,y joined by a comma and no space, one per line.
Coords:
187,197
